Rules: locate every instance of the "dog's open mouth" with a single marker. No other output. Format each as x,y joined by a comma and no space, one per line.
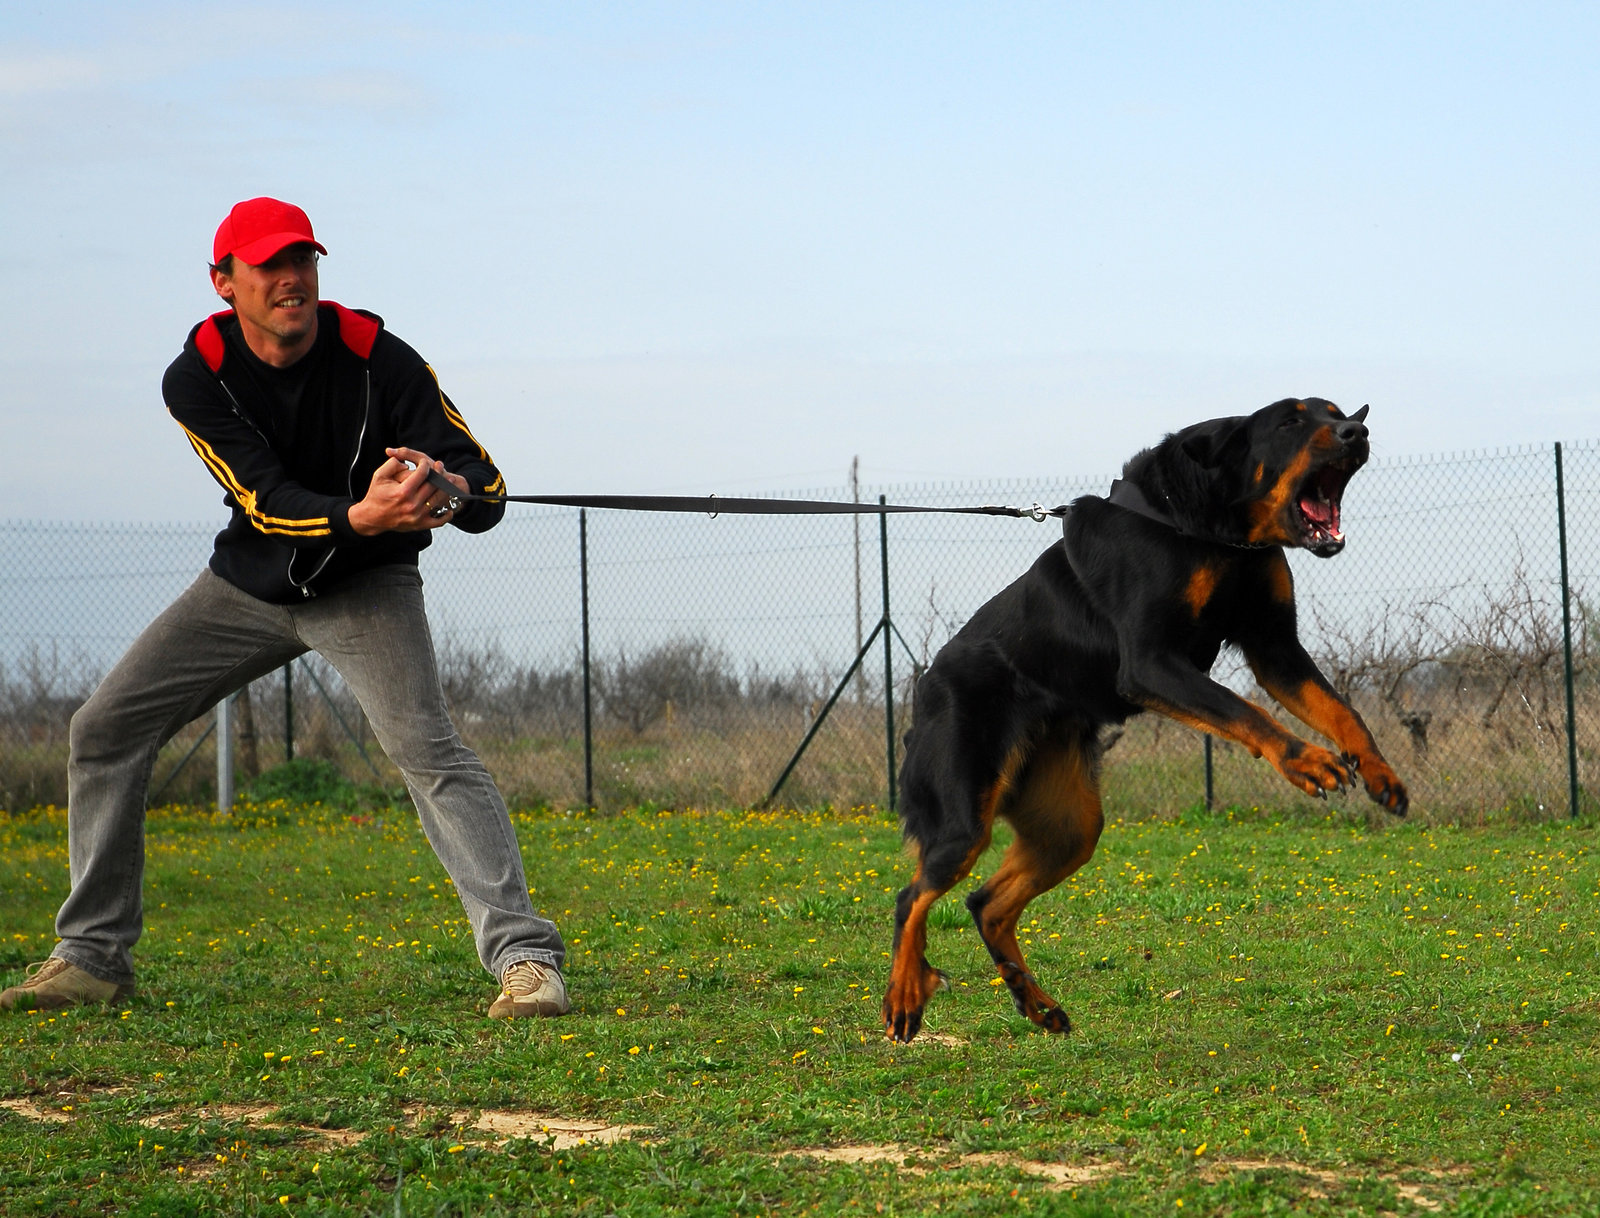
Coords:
1318,503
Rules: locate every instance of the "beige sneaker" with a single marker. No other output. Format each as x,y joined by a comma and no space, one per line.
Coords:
54,983
530,988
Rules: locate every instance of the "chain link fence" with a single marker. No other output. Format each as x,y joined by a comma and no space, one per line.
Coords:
715,644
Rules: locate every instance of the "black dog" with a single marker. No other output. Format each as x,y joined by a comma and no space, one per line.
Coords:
1127,613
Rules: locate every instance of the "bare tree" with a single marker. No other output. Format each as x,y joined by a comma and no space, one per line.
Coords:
39,692
680,674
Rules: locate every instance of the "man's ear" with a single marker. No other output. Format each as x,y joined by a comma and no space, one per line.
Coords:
222,284
1217,442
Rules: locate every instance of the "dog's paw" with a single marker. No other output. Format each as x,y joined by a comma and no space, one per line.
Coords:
901,1025
1316,770
1031,1001
1054,1019
1384,785
910,987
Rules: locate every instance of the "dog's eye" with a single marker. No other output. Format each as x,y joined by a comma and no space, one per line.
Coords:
1293,420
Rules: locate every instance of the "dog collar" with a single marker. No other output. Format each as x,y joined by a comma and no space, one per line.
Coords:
1128,495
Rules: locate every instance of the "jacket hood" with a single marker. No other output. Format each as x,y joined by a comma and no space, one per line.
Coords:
358,329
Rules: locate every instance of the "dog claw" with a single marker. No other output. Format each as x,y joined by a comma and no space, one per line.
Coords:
1054,1019
902,1026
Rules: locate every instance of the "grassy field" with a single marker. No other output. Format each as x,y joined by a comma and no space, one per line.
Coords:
1274,1014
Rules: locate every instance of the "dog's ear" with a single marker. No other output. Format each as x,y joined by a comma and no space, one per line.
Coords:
1218,442
1361,414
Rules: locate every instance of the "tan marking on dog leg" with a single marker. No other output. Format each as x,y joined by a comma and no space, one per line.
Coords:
912,980
1334,718
1280,580
1057,816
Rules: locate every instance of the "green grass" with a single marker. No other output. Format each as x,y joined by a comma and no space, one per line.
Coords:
1267,1021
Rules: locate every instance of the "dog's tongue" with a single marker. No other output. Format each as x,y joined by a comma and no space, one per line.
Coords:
1318,511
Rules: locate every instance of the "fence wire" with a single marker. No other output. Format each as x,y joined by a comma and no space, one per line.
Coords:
715,644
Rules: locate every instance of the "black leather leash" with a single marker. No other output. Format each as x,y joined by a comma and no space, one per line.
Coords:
717,505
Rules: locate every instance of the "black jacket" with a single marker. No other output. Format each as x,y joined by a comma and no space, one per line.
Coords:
294,447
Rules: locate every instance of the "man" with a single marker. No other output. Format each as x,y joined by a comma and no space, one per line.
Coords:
322,429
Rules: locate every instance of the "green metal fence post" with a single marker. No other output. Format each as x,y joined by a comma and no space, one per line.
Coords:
288,711
1566,638
888,648
588,709
822,715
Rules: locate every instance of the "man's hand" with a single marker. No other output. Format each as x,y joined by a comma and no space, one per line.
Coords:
400,499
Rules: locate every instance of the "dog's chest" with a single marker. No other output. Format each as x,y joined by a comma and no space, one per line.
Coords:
1211,588
1213,596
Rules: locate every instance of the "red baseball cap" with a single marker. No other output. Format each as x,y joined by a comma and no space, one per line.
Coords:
257,229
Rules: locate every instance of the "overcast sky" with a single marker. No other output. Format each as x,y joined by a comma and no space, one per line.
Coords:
702,248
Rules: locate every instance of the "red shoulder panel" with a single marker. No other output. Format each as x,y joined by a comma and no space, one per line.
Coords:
208,341
357,331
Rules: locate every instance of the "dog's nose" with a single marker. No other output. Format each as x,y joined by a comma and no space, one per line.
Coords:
1350,430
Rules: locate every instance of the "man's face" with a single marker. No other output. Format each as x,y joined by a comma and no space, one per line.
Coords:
276,302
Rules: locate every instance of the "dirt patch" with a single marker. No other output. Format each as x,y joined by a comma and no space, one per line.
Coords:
855,1154
1414,1195
67,1105
257,1115
562,1132
919,1162
1410,1190
335,1137
938,1038
1064,1175
30,1111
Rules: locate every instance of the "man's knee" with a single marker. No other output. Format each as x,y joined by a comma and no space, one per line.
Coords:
109,727
441,759
93,732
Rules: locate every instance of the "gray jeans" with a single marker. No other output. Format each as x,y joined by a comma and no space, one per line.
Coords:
213,640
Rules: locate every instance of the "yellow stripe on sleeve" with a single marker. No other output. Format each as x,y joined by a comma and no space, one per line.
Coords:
451,413
315,526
